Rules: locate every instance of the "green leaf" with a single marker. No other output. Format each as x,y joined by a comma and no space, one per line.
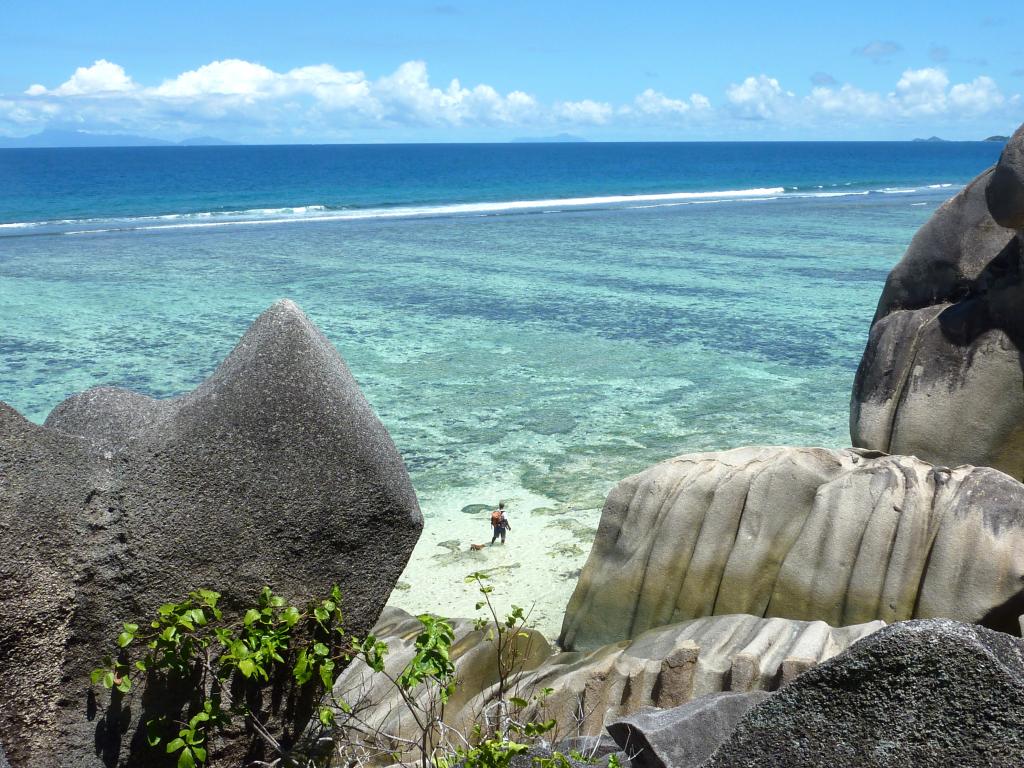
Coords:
290,615
124,639
140,665
175,745
326,717
519,702
185,759
96,675
247,667
326,673
250,616
200,754
125,685
131,628
108,679
320,649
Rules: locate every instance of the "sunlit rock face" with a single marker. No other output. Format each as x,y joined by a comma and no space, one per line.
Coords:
844,537
586,690
941,377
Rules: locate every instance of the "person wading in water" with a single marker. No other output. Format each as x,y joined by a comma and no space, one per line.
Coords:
499,523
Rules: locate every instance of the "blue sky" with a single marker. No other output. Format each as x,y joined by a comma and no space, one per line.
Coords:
261,72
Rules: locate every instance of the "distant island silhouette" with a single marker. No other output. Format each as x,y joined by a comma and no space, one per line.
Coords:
53,138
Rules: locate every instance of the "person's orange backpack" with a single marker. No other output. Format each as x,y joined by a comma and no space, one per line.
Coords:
496,517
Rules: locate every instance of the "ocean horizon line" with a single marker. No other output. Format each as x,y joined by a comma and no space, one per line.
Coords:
230,145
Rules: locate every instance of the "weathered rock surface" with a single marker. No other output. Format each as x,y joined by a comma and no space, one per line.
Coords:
273,471
941,377
684,736
1005,192
920,693
664,667
844,537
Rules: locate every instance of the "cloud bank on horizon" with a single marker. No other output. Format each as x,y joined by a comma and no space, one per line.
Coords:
247,101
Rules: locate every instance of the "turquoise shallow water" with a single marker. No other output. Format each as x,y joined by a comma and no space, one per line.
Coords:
537,353
555,352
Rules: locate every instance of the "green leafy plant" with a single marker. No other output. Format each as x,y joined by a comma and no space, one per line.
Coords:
194,642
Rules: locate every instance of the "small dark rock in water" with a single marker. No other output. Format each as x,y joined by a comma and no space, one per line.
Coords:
452,545
274,471
475,509
927,694
539,511
684,736
565,550
401,586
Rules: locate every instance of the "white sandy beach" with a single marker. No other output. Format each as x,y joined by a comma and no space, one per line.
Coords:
537,566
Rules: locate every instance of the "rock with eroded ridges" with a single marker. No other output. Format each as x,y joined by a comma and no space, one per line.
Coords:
684,736
664,667
929,694
941,376
274,471
844,537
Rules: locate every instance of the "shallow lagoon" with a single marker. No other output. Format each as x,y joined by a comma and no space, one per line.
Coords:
533,357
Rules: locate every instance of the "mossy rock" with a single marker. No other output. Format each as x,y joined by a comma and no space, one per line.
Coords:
475,509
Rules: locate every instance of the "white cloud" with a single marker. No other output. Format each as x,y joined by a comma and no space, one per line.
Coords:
585,112
977,97
103,77
759,98
246,100
655,104
846,100
407,94
921,91
230,77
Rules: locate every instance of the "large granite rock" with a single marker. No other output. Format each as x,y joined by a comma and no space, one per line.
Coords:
941,377
921,693
845,537
684,736
664,667
1005,192
273,471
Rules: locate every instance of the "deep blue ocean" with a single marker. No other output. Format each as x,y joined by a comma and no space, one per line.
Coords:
532,322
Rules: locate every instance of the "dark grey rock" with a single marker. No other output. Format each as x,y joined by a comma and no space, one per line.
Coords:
1005,191
931,693
684,736
591,747
273,471
945,344
601,749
